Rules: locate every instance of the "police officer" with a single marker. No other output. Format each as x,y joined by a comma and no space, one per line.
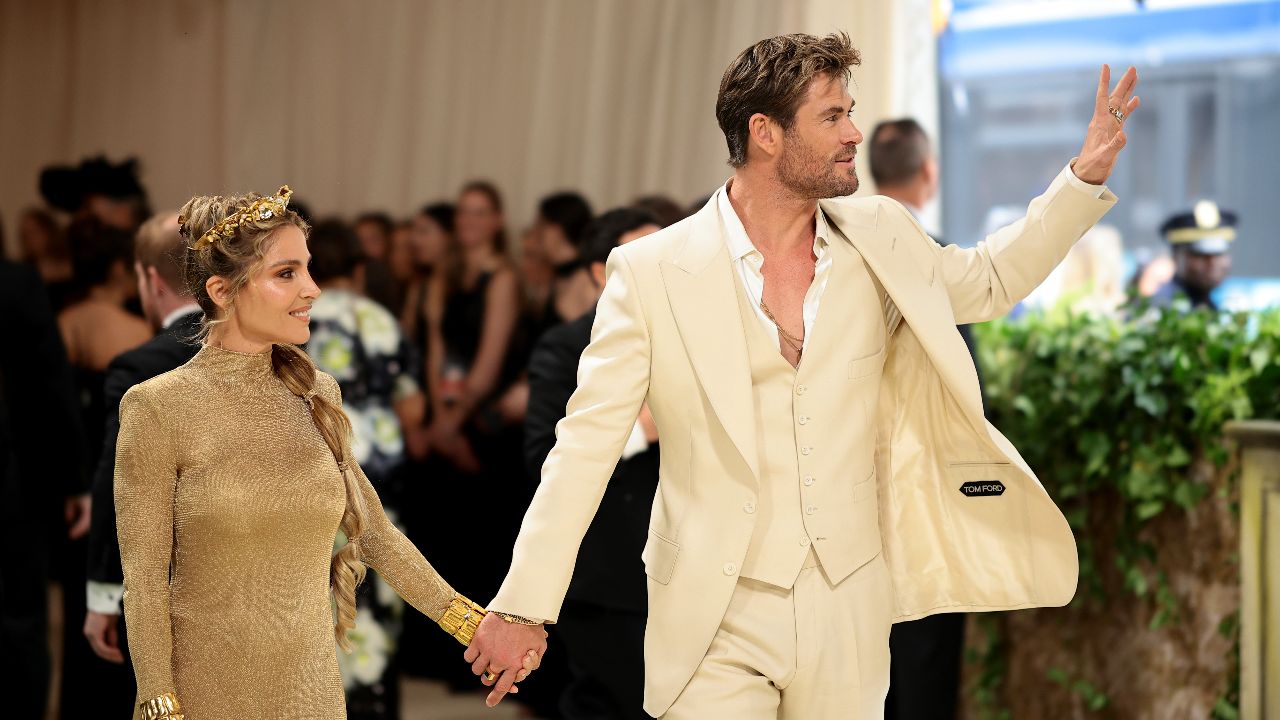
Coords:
1201,242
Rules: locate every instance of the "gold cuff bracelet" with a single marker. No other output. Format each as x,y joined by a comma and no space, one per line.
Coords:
164,707
461,619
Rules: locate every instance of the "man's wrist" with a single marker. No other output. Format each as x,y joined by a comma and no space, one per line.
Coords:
103,597
516,619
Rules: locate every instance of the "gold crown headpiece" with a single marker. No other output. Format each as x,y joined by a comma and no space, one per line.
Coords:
226,228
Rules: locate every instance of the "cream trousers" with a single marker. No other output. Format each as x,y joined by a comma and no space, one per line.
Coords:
813,652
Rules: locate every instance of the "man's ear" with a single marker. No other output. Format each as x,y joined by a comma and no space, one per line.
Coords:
219,291
765,134
597,274
157,283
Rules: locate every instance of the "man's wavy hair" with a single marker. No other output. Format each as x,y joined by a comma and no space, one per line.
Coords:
772,77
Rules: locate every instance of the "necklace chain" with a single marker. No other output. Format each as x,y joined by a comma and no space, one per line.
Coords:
796,343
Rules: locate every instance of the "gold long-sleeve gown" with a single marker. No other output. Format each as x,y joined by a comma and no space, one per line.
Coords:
228,501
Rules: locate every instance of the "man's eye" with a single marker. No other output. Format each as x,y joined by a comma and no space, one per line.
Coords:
286,274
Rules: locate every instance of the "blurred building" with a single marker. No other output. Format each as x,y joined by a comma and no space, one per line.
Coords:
1017,82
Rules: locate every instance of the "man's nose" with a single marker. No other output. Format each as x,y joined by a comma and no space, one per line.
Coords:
852,134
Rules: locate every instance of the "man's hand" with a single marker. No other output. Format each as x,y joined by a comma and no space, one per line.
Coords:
1105,138
103,632
503,648
78,511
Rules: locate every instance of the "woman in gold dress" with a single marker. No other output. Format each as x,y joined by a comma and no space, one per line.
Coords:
233,477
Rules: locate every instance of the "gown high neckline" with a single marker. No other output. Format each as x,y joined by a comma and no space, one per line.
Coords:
235,366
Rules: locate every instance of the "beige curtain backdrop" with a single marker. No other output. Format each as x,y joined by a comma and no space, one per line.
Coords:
388,104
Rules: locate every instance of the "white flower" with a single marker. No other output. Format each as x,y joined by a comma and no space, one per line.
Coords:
385,595
378,329
362,433
333,352
335,306
370,647
384,431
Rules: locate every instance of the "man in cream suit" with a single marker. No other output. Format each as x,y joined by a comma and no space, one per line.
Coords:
825,467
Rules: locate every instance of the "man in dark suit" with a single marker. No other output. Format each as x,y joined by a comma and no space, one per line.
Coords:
602,623
924,675
40,461
173,312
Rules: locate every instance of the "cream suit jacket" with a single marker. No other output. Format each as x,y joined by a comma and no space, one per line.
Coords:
668,331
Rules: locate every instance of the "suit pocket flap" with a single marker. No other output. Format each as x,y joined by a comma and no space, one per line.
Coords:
659,558
866,366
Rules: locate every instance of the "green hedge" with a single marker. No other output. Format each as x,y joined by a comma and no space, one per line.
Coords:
1123,406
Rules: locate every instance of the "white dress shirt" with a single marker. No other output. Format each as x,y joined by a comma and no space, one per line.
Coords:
749,263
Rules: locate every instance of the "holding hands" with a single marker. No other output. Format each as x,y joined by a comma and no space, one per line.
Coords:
1105,137
504,653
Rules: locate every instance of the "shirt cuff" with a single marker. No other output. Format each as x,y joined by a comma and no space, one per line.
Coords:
636,443
1094,191
104,598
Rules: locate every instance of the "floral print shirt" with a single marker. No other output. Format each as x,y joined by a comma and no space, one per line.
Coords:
359,343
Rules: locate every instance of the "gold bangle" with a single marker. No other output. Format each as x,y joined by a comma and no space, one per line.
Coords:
517,619
164,707
461,619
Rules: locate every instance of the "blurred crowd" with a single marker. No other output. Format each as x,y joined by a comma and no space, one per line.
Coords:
427,322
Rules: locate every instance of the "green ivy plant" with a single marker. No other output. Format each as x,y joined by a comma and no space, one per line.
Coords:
1123,406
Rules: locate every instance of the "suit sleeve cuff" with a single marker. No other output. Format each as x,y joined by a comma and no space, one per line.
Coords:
1094,191
101,597
636,442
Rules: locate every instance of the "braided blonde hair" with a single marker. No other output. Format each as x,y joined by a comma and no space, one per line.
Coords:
236,259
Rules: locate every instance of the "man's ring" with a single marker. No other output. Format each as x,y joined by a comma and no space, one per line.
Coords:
491,676
1117,114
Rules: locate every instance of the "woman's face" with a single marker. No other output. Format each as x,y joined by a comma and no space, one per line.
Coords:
476,220
429,241
274,306
400,255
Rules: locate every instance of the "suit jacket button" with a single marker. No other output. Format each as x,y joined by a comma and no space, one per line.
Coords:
749,508
730,568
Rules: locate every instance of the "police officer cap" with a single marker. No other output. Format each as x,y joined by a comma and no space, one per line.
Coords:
1206,230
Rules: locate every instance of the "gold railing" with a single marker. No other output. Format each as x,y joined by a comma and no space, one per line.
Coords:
1259,442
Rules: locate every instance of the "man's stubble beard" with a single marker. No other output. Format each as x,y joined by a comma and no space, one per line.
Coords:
808,176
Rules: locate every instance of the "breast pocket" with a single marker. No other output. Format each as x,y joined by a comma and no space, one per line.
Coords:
867,366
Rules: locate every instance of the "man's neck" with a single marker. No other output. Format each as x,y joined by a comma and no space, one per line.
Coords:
914,197
777,221
177,308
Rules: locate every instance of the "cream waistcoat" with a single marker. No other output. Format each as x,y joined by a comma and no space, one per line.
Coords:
809,487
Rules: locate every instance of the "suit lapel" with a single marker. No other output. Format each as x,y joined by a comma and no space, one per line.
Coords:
703,295
908,283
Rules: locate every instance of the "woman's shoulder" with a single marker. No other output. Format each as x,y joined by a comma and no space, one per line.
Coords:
166,390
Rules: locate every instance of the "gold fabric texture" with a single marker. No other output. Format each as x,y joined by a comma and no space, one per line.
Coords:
227,503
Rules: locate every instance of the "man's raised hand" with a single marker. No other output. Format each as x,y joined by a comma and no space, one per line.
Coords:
1105,137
